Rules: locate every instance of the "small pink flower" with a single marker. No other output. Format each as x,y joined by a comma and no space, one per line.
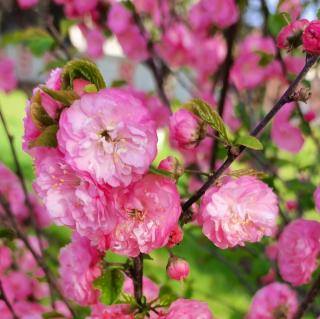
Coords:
149,210
175,237
119,18
298,249
274,301
290,35
188,309
95,41
150,289
293,7
272,251
186,130
27,4
311,38
11,189
177,268
241,210
54,81
310,116
8,81
316,198
172,165
79,267
108,136
291,205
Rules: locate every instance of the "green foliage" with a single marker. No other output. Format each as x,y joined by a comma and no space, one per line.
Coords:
37,40
318,14
249,141
66,97
275,23
90,88
118,83
39,116
82,69
47,137
110,284
265,58
6,233
65,25
52,315
206,112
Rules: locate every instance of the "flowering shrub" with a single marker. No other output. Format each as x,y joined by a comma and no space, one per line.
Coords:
135,190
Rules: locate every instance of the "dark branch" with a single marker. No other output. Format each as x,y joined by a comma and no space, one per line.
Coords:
3,296
137,275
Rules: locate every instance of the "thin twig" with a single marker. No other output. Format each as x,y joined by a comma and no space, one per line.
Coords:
285,98
20,234
3,296
137,275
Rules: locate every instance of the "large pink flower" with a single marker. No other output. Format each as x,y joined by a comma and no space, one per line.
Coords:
79,267
8,79
71,201
311,38
241,210
108,136
298,249
273,301
149,211
188,309
11,190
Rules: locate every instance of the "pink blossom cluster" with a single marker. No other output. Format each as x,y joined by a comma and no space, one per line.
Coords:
23,284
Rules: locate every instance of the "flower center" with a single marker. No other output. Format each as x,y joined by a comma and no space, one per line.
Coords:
136,214
280,312
105,134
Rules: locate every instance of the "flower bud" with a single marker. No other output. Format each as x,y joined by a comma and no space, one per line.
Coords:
175,237
186,130
311,38
177,268
291,205
290,36
79,86
309,116
172,165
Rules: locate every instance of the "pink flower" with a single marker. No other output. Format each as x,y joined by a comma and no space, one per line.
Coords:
150,289
172,165
293,7
109,136
290,35
5,259
100,311
54,81
241,210
310,116
269,277
176,45
175,237
272,251
77,8
186,130
119,18
274,301
188,309
299,247
27,4
311,38
71,201
79,267
316,198
291,205
177,268
79,86
95,41
149,211
11,189
8,81
284,134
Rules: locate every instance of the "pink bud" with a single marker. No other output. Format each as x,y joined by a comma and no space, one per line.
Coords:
79,86
175,237
272,251
172,165
309,116
177,268
269,277
291,205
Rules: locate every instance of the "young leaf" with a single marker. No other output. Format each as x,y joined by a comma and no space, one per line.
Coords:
90,88
39,116
82,69
318,14
52,315
47,137
66,97
7,233
249,141
110,284
209,115
275,23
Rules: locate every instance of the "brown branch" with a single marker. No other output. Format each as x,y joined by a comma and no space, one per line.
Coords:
3,296
137,276
21,235
309,299
285,98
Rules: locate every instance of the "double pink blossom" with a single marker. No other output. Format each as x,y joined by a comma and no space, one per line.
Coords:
311,38
241,210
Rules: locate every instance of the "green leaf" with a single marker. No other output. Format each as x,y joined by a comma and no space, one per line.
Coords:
58,63
265,58
90,88
147,257
110,284
38,40
82,69
52,314
167,300
39,116
206,112
318,14
249,141
118,83
47,137
66,97
275,23
7,233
